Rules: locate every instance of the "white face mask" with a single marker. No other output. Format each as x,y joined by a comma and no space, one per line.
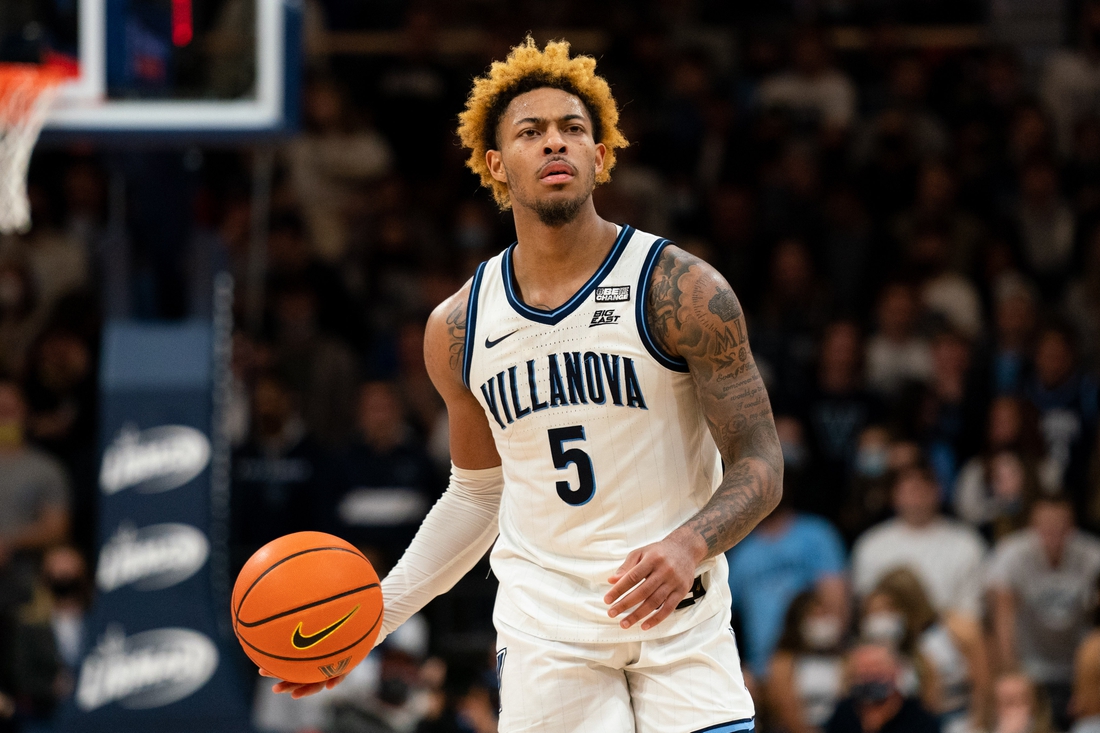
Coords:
887,627
821,633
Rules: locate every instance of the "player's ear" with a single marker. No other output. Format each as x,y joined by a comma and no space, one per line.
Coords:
495,162
601,151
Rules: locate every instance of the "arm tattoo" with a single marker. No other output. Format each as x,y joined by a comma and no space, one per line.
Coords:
694,314
456,331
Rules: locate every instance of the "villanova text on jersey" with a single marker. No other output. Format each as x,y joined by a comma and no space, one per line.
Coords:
571,379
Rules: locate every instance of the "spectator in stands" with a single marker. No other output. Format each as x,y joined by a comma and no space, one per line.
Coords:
1085,704
293,265
1070,86
945,554
995,488
814,92
317,366
805,675
1045,226
65,573
386,481
1068,401
896,353
785,555
330,164
944,292
1082,303
945,651
793,308
1014,321
1041,582
947,414
278,474
59,263
935,206
875,702
20,317
62,394
867,495
837,410
1019,706
34,500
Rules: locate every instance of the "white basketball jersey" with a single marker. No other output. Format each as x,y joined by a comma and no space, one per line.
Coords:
603,444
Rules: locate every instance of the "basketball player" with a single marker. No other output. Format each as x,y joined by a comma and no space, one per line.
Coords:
596,377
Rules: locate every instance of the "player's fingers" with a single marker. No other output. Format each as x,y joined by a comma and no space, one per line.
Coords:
633,598
655,600
334,681
631,560
661,613
265,673
305,690
284,687
631,578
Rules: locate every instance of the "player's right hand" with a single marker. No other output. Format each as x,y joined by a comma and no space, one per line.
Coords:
298,690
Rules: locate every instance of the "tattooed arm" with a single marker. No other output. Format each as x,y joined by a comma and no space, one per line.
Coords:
693,314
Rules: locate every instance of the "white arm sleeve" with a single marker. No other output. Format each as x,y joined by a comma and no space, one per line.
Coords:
457,532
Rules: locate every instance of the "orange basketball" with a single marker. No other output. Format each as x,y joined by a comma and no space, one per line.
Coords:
307,607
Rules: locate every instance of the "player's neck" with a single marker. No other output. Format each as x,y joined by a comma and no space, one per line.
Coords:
551,263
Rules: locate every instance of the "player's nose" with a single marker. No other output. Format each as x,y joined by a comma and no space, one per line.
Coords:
554,142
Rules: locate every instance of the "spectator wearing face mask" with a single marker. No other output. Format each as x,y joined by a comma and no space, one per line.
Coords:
1019,706
1085,703
1042,580
944,553
786,554
867,499
945,653
875,702
805,676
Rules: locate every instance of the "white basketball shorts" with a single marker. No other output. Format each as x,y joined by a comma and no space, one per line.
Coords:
686,683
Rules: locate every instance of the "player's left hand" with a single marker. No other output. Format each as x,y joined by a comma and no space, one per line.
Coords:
296,690
663,573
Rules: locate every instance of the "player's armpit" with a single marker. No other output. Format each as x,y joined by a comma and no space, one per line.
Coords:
694,315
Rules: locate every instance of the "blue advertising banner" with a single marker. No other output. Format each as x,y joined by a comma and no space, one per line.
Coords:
160,653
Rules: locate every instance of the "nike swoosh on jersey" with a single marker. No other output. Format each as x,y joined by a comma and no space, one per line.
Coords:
490,344
303,641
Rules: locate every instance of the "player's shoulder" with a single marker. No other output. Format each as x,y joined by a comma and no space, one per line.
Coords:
445,336
687,296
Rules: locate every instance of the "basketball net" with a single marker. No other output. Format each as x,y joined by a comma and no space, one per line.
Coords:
27,92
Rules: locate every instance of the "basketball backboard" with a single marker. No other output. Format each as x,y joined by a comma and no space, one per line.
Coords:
164,69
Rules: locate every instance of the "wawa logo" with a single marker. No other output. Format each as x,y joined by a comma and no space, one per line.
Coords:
153,460
151,558
146,670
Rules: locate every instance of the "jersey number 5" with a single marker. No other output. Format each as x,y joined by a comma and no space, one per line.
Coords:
562,458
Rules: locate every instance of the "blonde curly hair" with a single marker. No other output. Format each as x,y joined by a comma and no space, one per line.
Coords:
525,69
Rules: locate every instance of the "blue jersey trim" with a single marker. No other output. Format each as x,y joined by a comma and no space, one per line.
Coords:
669,362
471,324
745,725
555,316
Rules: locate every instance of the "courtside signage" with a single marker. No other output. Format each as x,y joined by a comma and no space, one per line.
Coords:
151,558
146,670
153,460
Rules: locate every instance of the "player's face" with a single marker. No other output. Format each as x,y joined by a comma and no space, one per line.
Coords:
547,154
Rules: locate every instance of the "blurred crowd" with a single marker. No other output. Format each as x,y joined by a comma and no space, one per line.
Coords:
914,234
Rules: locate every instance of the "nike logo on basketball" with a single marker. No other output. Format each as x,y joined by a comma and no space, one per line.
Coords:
490,344
302,641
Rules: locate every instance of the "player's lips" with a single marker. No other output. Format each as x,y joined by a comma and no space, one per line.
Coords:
557,172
